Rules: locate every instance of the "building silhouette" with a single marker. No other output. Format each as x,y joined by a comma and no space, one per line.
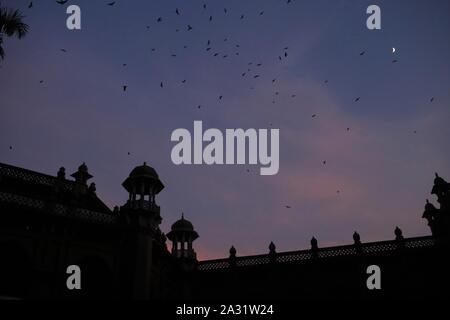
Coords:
48,223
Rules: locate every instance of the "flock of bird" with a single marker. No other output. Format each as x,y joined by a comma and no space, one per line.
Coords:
252,69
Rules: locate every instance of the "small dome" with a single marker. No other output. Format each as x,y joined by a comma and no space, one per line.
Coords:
143,174
182,225
144,171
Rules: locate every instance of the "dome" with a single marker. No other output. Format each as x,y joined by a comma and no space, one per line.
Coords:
144,171
145,175
182,225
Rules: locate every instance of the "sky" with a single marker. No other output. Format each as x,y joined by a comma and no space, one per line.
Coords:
64,108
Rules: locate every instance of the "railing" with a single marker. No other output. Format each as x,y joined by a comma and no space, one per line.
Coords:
31,176
58,209
305,255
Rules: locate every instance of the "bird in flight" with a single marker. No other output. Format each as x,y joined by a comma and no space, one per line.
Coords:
287,207
63,50
30,5
189,27
432,99
357,99
177,11
124,88
62,1
362,53
159,19
111,3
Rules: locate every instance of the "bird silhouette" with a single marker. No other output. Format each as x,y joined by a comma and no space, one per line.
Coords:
30,5
159,19
362,53
124,88
189,27
62,1
177,11
161,84
111,3
357,99
432,99
287,207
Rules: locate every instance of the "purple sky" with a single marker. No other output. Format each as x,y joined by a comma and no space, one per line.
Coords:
383,166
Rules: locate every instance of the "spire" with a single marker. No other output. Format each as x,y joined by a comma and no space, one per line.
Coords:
82,175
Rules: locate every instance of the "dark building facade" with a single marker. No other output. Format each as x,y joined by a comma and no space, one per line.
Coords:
48,223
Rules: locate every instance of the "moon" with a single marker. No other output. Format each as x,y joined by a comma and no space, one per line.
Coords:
393,50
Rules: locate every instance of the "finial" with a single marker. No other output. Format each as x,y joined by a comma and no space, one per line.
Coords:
232,251
92,187
182,215
398,233
356,238
61,173
314,243
145,163
272,247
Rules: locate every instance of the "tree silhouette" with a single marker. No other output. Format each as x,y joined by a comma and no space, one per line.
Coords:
11,24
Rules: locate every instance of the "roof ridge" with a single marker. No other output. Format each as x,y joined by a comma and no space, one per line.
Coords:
28,171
